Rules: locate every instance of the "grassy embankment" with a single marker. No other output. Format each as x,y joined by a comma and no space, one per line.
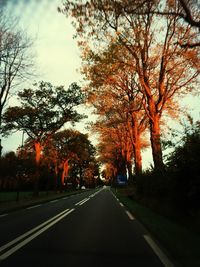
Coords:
181,243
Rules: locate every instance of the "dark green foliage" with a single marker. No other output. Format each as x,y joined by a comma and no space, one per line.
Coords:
16,173
184,165
44,110
177,190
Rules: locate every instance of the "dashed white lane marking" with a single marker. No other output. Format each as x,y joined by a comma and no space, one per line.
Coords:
34,235
163,258
130,215
55,200
121,204
32,207
3,215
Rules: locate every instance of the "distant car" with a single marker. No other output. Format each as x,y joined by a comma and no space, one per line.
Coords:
83,187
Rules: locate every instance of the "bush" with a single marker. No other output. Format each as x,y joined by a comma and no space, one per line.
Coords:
184,165
176,191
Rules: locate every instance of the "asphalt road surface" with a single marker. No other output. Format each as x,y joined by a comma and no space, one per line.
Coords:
89,229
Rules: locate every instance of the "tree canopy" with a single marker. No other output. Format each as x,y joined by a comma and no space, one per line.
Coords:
134,34
43,111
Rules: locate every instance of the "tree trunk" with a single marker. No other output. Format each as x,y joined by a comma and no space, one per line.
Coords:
64,172
156,143
130,172
38,150
0,148
56,176
80,176
136,144
138,158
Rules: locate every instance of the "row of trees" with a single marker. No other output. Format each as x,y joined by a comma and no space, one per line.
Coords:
42,112
41,115
140,58
67,162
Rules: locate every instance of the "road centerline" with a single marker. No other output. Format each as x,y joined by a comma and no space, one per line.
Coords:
83,202
9,244
34,235
78,203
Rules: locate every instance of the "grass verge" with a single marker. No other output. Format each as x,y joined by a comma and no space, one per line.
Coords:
8,202
181,244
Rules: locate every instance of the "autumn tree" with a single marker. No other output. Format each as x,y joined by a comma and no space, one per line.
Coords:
60,151
16,63
188,11
71,152
114,92
164,69
43,111
85,157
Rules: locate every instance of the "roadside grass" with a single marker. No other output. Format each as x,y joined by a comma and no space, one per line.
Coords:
182,245
28,195
8,199
11,196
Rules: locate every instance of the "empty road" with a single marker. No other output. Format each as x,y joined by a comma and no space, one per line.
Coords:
89,229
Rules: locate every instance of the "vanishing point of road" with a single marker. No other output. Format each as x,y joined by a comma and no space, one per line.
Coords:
90,229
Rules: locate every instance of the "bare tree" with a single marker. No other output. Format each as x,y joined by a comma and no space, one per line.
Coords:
16,61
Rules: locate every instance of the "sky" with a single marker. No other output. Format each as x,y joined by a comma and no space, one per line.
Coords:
57,54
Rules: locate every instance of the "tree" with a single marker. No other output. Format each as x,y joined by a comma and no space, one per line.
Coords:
183,164
60,151
114,92
16,62
164,69
43,111
188,11
85,156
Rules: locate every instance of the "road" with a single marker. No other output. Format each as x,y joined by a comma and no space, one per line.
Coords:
89,229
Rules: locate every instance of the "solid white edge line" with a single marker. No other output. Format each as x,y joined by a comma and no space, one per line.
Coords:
163,258
27,240
30,231
130,215
121,204
32,207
